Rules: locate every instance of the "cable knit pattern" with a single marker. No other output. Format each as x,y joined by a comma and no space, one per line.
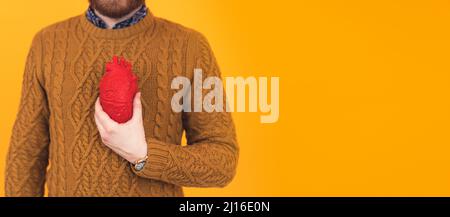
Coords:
55,139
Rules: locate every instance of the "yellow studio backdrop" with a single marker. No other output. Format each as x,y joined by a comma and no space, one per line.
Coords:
364,89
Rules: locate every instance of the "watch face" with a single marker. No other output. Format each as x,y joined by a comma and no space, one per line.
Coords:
139,166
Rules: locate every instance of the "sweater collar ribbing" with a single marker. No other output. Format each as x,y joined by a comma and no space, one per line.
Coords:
141,26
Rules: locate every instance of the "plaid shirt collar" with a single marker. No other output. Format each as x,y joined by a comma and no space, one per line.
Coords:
97,21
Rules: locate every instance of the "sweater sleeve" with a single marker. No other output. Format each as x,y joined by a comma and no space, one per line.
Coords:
211,155
27,157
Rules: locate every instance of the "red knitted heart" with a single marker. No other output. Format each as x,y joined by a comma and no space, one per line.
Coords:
118,87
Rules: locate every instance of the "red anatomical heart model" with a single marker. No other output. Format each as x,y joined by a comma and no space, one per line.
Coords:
118,87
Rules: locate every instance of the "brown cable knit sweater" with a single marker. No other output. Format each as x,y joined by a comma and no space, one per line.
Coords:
55,139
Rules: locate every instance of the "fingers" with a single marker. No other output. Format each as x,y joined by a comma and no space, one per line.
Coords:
98,106
100,128
103,119
137,107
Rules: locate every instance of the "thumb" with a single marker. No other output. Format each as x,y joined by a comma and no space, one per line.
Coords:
137,107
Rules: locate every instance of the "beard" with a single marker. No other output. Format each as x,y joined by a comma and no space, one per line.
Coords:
115,8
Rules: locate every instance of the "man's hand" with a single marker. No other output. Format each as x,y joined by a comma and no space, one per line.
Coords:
127,139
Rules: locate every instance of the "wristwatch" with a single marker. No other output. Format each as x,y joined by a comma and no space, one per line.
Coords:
139,164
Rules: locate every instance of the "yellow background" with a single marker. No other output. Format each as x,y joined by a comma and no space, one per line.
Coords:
364,98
